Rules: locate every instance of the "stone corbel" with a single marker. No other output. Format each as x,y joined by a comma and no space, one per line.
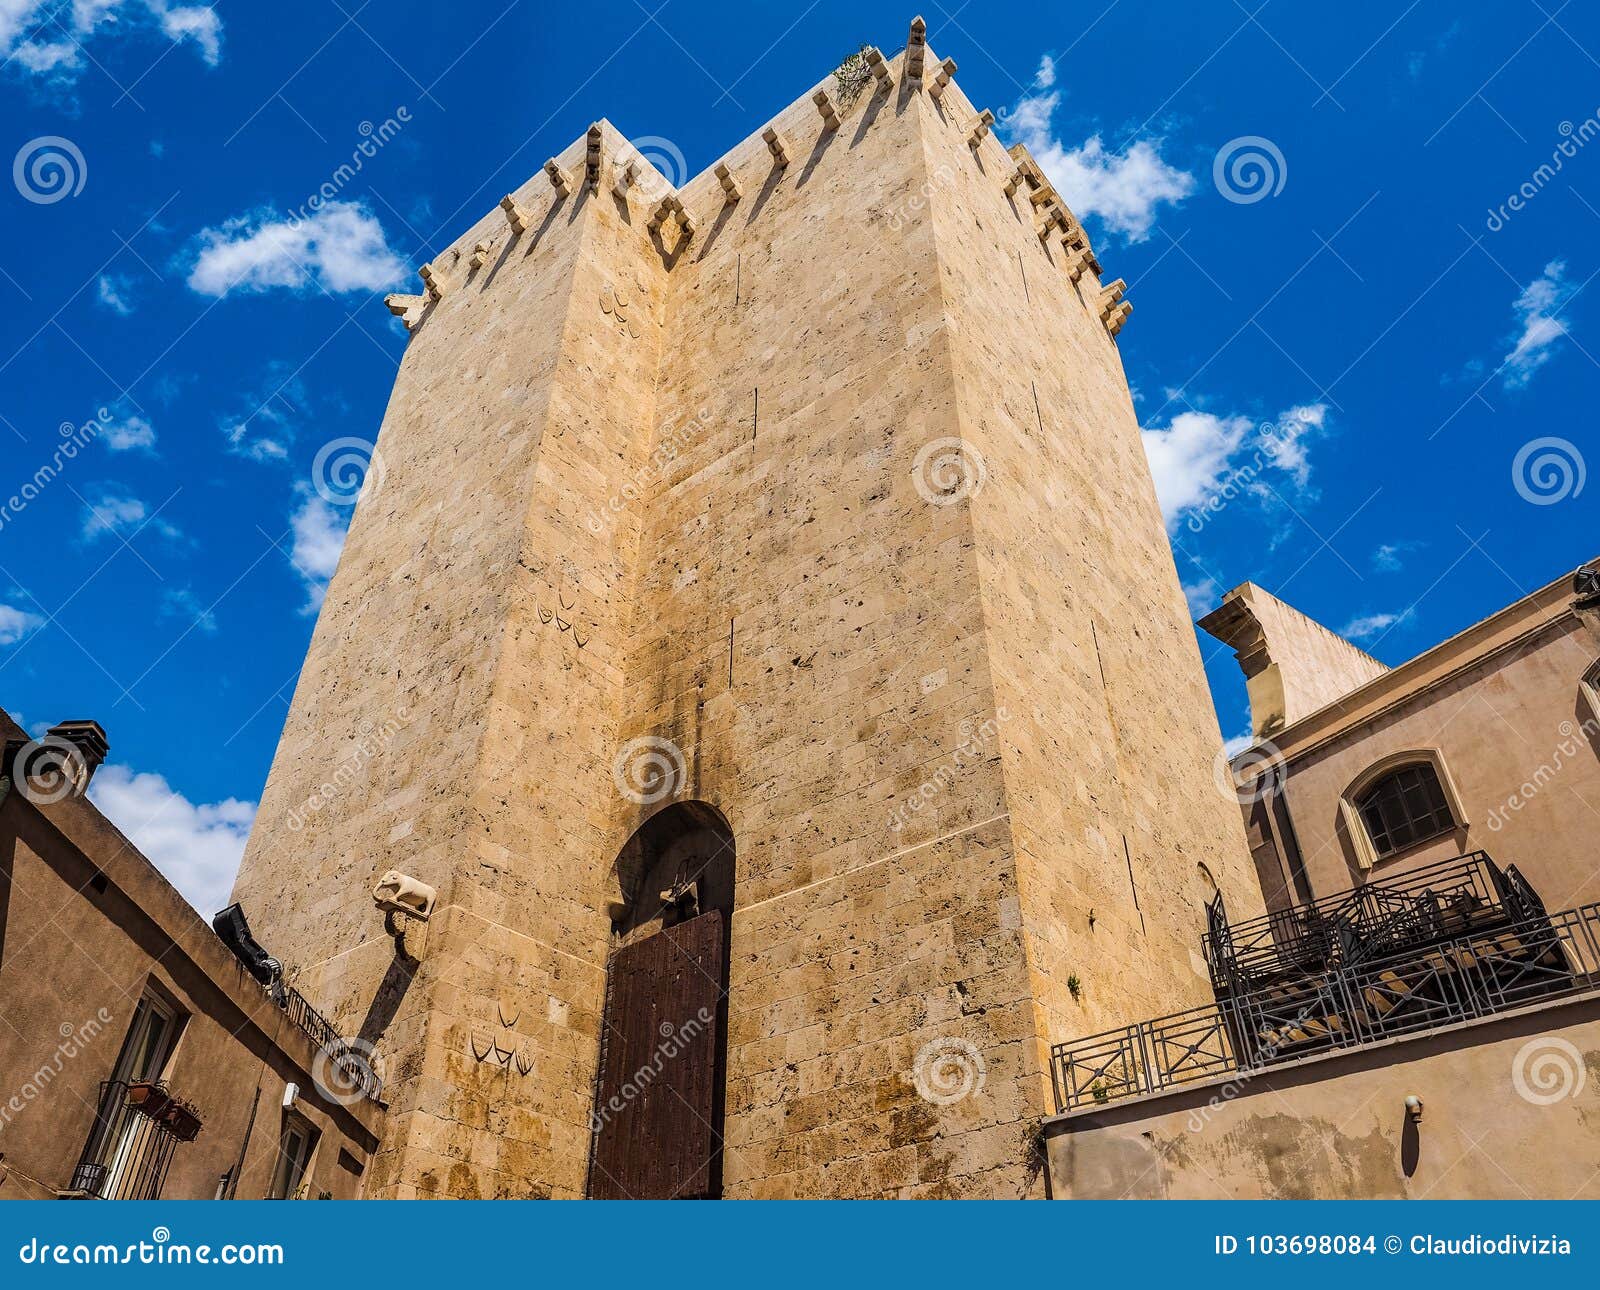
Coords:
1117,318
435,282
666,208
515,215
731,192
980,128
830,114
1110,297
942,78
592,158
401,306
480,254
1077,261
1015,180
560,180
880,68
626,174
777,145
916,49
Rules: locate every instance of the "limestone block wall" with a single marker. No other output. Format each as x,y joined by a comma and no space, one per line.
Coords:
810,632
467,582
1109,745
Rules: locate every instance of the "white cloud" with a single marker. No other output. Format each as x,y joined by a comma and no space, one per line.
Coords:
114,294
1535,309
1123,191
1202,461
198,23
1366,626
268,429
1235,745
14,625
1390,557
49,37
319,531
342,247
181,602
1202,596
111,511
128,434
197,847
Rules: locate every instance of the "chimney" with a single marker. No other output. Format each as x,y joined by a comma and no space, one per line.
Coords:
58,766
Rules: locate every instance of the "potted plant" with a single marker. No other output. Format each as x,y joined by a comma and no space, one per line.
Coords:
182,1120
148,1097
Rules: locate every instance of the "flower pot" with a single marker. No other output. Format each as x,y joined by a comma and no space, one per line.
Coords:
182,1122
148,1098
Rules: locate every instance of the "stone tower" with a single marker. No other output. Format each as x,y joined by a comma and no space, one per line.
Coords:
776,551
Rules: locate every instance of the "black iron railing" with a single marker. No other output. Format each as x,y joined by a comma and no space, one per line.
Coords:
128,1151
1484,971
350,1064
1381,918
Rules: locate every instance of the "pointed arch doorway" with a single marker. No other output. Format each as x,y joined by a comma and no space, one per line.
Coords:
656,1127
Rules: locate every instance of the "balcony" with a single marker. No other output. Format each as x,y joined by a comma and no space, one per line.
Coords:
137,1127
1441,945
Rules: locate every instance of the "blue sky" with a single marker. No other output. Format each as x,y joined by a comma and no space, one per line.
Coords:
1366,373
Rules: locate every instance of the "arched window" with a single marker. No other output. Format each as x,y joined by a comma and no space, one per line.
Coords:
1591,689
1405,806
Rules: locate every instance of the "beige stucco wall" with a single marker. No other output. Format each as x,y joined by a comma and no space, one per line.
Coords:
535,584
1511,1110
87,925
1521,749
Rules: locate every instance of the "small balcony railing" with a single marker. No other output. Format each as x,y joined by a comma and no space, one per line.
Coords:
1380,918
137,1127
1485,971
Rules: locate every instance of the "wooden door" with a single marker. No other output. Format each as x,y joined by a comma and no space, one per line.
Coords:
657,1114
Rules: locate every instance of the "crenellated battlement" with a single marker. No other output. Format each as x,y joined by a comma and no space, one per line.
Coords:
605,160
